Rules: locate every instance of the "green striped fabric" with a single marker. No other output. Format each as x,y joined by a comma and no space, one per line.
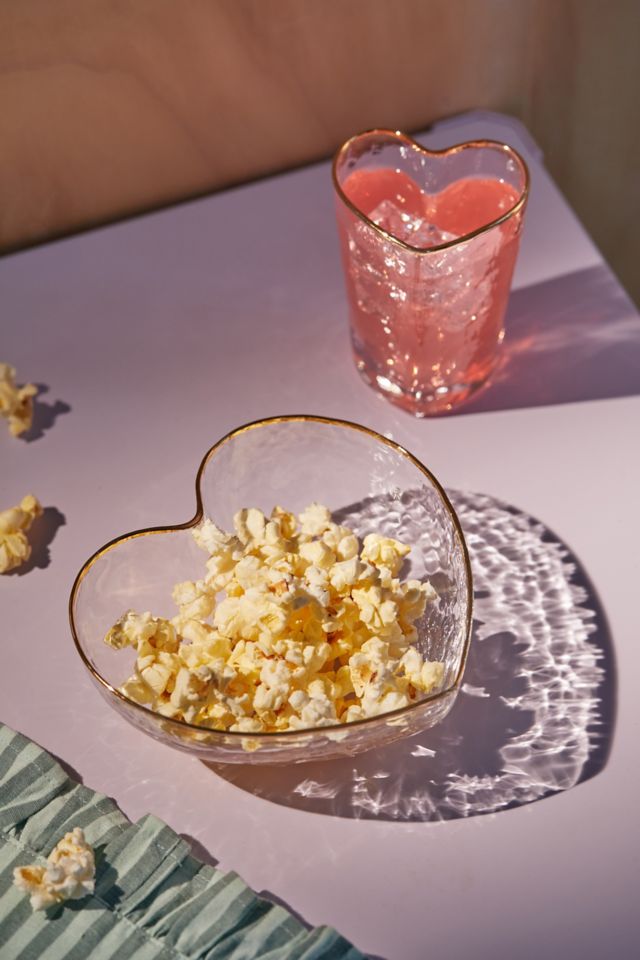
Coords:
152,900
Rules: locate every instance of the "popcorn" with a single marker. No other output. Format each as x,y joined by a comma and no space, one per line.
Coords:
144,632
347,573
317,584
158,672
422,675
136,689
312,629
248,725
250,616
314,707
377,610
384,552
250,525
287,521
274,686
347,546
15,549
318,554
224,551
210,537
16,403
68,874
194,600
191,690
315,520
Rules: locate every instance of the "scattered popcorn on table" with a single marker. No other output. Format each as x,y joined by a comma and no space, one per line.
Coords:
67,875
15,549
294,626
16,403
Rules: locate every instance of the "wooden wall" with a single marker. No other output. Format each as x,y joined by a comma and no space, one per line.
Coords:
108,107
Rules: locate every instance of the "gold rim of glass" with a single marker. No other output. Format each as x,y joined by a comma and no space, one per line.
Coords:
414,145
146,531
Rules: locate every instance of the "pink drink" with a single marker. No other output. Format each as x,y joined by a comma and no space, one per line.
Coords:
427,313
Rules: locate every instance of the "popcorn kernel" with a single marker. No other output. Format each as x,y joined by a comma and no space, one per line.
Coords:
15,548
67,875
16,403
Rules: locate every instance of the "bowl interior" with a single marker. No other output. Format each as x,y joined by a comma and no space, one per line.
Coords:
368,483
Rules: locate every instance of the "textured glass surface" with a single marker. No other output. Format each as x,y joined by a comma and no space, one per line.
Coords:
369,484
426,323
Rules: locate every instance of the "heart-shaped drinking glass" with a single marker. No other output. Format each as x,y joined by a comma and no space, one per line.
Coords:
429,241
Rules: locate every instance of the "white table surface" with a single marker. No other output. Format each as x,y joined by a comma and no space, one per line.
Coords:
157,336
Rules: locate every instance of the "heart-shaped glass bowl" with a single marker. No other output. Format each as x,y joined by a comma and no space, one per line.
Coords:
371,485
429,242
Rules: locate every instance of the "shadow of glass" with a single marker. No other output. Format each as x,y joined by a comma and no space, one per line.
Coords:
535,715
41,535
44,415
573,338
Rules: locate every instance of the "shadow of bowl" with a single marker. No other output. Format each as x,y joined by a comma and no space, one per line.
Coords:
536,712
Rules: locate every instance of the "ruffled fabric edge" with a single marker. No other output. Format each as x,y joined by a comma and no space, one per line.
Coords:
153,900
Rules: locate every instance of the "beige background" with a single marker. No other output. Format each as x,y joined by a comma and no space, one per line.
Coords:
109,107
